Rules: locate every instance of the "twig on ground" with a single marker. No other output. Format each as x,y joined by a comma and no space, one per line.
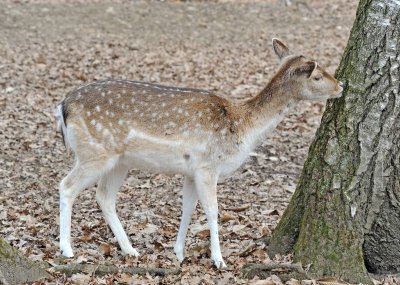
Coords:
103,269
291,270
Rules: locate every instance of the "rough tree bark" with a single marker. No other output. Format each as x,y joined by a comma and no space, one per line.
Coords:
16,269
344,217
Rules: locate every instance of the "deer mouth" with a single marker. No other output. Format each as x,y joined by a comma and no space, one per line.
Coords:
337,95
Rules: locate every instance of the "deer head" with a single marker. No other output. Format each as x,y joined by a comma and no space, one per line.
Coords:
305,77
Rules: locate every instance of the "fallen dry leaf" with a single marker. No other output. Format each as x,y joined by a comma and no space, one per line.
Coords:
225,217
293,282
263,282
246,251
105,249
239,209
81,279
308,282
81,259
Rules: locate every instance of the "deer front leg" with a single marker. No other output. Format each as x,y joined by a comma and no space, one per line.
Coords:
206,188
189,202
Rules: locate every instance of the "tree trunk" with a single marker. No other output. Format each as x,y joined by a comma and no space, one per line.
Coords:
344,217
16,269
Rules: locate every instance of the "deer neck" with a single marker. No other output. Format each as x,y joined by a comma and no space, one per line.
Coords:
266,110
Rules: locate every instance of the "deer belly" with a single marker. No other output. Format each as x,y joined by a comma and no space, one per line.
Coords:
159,162
161,155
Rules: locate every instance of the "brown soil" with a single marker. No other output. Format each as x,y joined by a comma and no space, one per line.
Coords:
50,47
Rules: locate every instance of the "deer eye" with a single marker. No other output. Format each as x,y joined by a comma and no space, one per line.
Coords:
317,78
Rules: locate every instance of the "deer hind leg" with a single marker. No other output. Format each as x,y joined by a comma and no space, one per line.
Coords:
206,188
81,176
106,194
189,202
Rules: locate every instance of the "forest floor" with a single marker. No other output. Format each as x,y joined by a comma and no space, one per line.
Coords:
48,48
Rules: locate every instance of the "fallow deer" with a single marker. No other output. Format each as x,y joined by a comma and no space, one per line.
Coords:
115,125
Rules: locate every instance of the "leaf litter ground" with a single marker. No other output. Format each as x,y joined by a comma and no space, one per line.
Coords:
51,47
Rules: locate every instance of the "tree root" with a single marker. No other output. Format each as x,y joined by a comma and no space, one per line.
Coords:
100,270
285,271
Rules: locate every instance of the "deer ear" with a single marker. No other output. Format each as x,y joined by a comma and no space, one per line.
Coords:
307,68
313,67
281,50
